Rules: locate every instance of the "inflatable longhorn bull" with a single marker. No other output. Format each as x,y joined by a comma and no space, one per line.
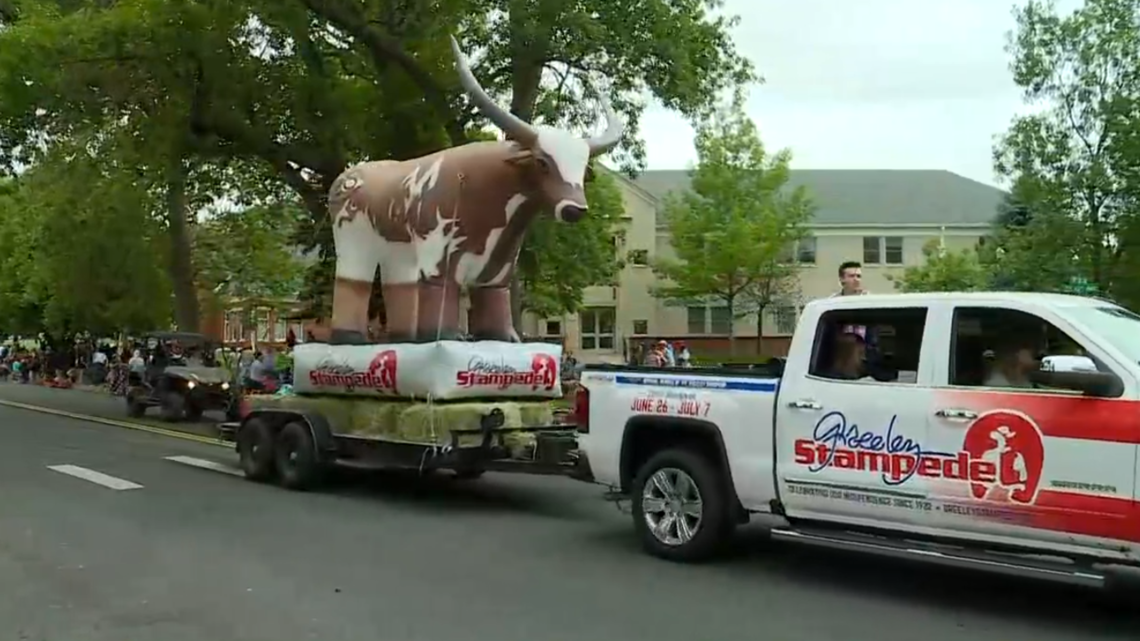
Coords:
453,220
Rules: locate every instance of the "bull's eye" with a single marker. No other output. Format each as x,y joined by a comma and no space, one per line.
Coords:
543,165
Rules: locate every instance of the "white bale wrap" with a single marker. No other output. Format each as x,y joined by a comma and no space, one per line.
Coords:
444,370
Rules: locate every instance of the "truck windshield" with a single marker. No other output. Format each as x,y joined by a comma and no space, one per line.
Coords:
1116,325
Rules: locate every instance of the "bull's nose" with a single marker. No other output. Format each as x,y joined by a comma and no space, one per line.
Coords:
571,213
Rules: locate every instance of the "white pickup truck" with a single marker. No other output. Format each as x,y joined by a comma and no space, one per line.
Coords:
993,430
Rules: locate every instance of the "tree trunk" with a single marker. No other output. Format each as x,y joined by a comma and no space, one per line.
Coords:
760,331
181,268
730,304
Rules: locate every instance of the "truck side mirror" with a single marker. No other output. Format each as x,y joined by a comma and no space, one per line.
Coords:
1094,383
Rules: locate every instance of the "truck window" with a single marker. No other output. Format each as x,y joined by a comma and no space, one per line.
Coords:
997,348
869,344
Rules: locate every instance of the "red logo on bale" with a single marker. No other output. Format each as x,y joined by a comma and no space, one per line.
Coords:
380,375
543,374
1012,442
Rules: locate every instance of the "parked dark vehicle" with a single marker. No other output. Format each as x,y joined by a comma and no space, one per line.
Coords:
182,379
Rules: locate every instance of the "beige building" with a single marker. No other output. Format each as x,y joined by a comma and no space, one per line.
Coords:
878,217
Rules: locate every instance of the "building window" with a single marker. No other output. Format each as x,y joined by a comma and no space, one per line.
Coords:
233,328
261,322
552,328
597,327
709,319
785,319
720,320
894,250
640,327
639,257
878,250
280,327
697,317
805,251
872,255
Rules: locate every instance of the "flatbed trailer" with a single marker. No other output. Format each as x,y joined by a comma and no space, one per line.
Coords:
295,448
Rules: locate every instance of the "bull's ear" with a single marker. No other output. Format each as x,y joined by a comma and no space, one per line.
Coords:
521,156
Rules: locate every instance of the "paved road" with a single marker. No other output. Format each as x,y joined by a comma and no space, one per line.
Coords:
94,402
194,554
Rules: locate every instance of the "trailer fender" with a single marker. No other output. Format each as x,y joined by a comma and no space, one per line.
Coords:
318,426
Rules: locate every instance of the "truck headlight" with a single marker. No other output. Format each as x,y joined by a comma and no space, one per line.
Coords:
191,385
225,386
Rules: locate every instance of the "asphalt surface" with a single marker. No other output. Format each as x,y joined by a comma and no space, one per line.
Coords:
96,402
200,555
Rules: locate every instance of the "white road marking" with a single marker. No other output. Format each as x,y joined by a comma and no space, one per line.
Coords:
213,466
98,478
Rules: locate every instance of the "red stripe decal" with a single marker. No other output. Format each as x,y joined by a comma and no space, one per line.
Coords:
1059,416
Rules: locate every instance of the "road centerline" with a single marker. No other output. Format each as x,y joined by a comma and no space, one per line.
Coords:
205,464
98,478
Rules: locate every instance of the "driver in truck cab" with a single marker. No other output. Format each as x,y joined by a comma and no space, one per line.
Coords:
1015,357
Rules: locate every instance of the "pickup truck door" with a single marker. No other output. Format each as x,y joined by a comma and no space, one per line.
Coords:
1037,466
850,450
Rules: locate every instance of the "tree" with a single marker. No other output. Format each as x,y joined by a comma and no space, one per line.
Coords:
1076,151
1044,255
578,255
249,253
307,87
944,271
81,251
731,231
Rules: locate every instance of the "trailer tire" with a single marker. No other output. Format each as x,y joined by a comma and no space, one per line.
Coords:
255,444
686,487
298,463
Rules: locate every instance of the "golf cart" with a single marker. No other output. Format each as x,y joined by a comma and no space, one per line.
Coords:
181,378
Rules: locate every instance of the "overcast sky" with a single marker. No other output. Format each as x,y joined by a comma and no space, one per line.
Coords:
876,84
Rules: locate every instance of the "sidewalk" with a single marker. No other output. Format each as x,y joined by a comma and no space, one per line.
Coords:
96,403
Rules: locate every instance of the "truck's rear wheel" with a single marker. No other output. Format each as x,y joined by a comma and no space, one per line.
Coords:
298,464
255,443
681,506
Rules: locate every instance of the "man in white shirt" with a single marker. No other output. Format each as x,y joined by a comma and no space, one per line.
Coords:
1015,357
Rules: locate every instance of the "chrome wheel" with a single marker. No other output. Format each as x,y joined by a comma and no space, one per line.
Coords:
671,506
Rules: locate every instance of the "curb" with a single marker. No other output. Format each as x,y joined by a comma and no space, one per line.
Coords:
139,427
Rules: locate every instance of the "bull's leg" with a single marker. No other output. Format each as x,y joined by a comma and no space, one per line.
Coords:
439,311
490,318
358,252
350,312
402,307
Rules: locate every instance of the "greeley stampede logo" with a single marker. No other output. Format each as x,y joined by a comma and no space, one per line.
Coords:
1012,442
380,375
543,374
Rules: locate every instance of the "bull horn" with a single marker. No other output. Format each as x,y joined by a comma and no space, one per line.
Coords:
614,129
512,125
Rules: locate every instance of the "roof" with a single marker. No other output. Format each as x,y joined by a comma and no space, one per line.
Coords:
925,298
874,196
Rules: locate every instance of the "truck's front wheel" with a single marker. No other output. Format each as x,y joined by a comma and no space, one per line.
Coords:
681,506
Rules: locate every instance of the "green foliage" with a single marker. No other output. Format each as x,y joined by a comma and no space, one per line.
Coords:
731,232
231,91
1079,153
944,271
1043,255
249,253
559,260
80,251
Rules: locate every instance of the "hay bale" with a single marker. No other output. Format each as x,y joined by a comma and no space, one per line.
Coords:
416,422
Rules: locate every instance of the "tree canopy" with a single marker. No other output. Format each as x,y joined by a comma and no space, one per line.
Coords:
732,230
203,100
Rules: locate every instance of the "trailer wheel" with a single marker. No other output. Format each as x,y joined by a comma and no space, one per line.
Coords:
255,444
681,506
298,465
